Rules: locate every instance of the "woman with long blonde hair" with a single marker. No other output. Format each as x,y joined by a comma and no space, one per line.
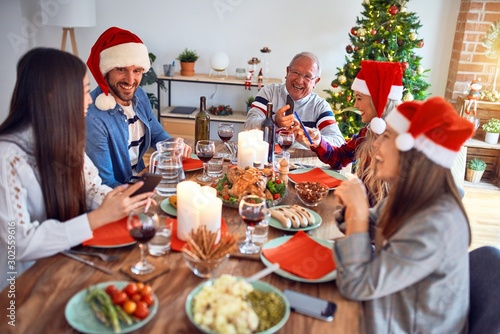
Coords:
377,89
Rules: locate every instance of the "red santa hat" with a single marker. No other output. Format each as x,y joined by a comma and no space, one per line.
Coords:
115,48
433,127
382,80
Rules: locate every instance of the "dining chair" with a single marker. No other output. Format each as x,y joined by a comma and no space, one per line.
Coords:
484,290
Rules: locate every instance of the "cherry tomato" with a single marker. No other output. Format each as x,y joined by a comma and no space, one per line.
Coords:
225,197
148,299
278,181
137,297
276,196
146,290
129,307
142,310
119,298
140,285
111,290
131,289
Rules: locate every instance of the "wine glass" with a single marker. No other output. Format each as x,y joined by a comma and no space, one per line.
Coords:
226,132
251,209
205,150
142,227
285,140
475,121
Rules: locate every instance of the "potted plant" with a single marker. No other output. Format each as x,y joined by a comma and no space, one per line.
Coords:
492,129
150,78
188,58
475,170
249,102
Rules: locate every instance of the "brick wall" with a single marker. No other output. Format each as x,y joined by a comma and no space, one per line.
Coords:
468,61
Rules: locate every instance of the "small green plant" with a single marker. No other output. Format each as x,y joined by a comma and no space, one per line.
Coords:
476,164
249,100
492,126
188,56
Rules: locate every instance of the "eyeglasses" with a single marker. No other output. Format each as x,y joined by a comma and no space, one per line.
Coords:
306,77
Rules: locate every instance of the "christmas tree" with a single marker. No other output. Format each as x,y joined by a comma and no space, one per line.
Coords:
386,32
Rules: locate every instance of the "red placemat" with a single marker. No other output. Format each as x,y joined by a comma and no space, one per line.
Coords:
177,244
112,234
191,164
318,175
302,256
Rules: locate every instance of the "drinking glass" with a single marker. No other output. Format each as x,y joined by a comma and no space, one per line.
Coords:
285,140
142,227
205,150
226,132
251,210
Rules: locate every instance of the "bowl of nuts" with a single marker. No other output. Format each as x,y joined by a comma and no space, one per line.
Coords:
311,193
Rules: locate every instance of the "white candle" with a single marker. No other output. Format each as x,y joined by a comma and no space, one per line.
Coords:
251,148
197,206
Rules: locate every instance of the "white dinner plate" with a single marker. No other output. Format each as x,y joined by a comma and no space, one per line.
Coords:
330,172
276,224
80,316
168,208
281,240
257,285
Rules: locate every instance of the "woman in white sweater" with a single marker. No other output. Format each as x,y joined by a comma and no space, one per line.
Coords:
51,197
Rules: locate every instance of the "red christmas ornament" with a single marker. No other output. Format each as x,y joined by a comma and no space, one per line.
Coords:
405,65
348,49
393,10
373,32
354,31
421,43
348,98
355,48
334,85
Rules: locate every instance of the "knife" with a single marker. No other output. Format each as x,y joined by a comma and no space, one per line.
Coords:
87,262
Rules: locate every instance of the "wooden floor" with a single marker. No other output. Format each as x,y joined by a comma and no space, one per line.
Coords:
483,209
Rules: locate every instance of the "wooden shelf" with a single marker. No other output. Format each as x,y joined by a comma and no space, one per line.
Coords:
206,79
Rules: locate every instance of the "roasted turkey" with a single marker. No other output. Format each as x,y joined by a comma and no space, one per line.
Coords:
249,181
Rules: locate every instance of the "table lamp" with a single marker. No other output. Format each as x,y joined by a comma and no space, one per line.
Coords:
219,63
68,15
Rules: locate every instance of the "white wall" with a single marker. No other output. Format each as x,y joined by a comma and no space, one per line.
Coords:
239,28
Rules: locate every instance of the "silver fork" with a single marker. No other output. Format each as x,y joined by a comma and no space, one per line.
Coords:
102,256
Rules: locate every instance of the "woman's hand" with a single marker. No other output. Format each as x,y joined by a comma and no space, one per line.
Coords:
352,194
118,204
313,133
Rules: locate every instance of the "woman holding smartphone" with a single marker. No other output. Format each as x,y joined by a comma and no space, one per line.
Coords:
47,184
417,280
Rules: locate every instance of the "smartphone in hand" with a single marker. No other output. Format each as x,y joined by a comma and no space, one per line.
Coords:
311,306
290,102
150,182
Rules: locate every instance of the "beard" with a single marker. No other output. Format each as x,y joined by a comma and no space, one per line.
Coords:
119,94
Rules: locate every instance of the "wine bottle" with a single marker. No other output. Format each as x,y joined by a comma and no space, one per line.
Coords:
268,128
202,122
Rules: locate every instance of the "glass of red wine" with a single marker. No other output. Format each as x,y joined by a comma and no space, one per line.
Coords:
205,150
285,140
226,132
142,227
251,209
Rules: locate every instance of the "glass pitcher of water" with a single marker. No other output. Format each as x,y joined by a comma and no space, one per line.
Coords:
167,161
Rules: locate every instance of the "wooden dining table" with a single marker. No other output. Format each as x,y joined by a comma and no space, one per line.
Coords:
42,292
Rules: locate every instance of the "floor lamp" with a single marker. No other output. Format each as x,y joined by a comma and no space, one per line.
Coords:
70,15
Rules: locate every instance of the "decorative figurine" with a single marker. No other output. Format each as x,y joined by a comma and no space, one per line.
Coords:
472,97
260,79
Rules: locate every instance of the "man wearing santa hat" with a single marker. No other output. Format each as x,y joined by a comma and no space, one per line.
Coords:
378,88
121,126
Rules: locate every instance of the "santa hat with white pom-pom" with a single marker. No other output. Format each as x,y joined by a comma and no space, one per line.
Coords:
116,47
382,80
432,127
